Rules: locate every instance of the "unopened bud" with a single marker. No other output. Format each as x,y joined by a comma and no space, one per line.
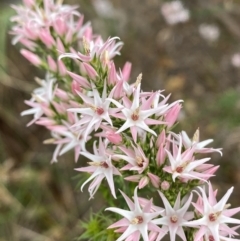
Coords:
165,185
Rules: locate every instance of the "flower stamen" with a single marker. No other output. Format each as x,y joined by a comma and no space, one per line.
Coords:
137,220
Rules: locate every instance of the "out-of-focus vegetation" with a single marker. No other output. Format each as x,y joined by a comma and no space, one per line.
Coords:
40,201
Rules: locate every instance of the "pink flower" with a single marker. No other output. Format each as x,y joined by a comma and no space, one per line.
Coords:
136,116
137,160
174,218
137,221
96,111
101,167
183,164
199,146
214,215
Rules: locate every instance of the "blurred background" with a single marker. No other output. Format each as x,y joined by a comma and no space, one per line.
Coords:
193,54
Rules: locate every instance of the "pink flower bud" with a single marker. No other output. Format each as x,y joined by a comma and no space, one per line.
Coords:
75,87
112,77
118,90
60,46
81,80
28,44
88,33
126,71
31,57
133,178
143,182
172,115
165,185
62,94
113,137
79,22
90,70
161,155
46,38
161,138
60,26
69,35
29,3
62,68
155,180
51,64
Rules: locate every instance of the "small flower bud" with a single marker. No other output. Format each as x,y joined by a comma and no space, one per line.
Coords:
165,185
113,137
143,182
31,57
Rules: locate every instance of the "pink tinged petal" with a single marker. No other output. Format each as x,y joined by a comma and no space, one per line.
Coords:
32,58
135,236
121,223
127,214
220,205
128,231
181,234
135,103
230,212
55,154
81,80
153,227
90,71
93,187
137,205
146,128
162,233
134,133
129,202
77,152
109,177
154,122
94,175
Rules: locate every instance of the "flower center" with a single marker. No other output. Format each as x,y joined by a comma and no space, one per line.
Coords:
99,110
99,164
211,238
179,169
137,220
213,216
139,161
174,219
104,164
135,115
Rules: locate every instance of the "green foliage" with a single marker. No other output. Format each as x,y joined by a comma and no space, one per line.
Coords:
229,108
95,228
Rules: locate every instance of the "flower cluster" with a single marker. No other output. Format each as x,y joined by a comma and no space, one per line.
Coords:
85,101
